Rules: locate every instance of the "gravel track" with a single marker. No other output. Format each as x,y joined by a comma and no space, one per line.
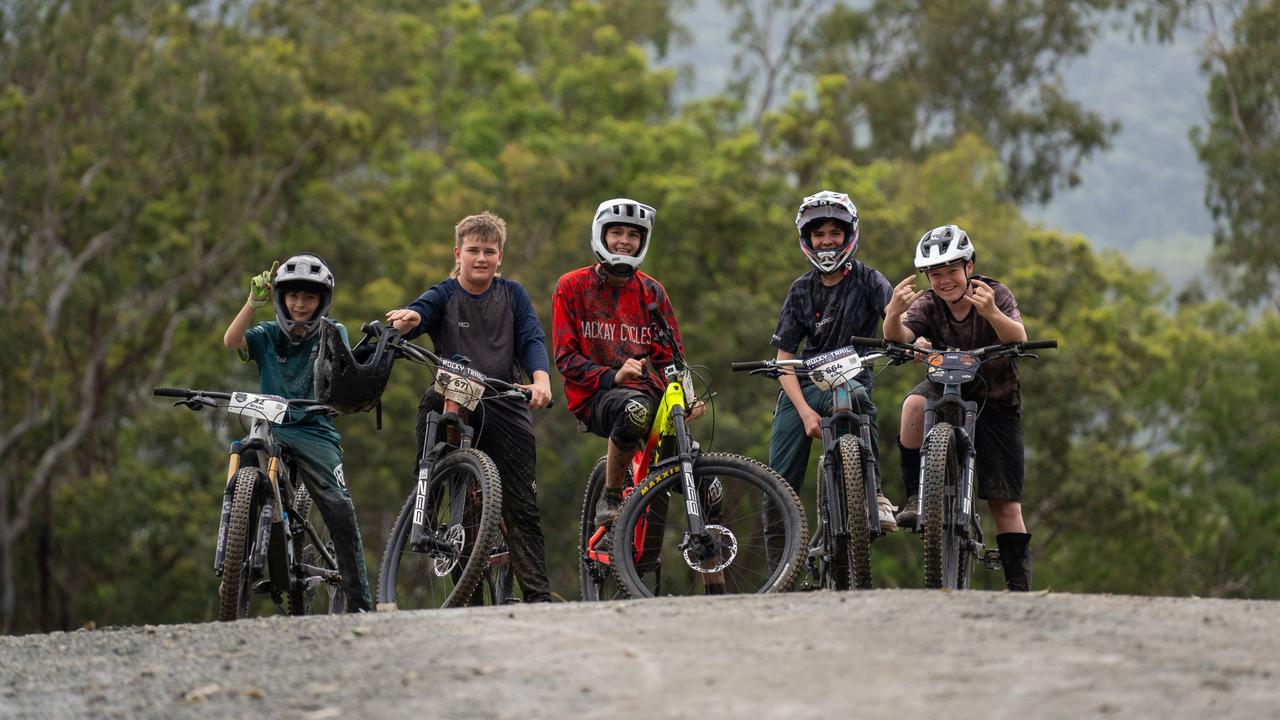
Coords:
880,653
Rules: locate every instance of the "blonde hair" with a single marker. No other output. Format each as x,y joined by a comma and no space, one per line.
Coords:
485,228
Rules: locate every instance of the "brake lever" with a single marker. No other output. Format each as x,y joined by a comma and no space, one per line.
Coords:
197,403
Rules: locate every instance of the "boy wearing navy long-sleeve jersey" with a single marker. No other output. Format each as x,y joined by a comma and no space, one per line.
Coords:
491,320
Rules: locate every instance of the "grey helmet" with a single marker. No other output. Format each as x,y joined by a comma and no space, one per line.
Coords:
305,271
943,246
621,211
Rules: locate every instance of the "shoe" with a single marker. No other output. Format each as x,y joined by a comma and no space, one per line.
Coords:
887,522
607,507
907,518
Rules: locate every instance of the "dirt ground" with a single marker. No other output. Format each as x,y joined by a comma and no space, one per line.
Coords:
883,653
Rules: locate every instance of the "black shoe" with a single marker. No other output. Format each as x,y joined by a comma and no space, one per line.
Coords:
607,507
907,516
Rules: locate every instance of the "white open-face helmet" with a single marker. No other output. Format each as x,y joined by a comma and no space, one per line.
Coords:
828,205
304,271
621,211
943,246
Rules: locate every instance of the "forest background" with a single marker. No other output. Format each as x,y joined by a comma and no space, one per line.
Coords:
155,155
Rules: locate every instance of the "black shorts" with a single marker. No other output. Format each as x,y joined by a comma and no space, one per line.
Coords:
1000,463
622,414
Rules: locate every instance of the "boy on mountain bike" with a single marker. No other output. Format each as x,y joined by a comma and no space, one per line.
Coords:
491,321
602,333
285,351
963,311
838,299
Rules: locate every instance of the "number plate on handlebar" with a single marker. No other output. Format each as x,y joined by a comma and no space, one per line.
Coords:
834,368
952,368
267,407
460,389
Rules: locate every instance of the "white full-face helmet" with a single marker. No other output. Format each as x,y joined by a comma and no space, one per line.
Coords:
943,245
304,271
823,206
621,211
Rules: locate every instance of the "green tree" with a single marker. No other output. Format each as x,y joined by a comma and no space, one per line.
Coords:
894,79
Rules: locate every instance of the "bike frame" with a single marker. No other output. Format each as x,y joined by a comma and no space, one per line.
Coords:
649,465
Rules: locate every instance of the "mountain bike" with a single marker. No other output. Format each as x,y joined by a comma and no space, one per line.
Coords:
446,548
946,518
848,476
690,522
266,543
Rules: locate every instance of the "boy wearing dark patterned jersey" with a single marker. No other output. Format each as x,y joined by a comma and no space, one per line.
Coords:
838,299
492,321
963,311
602,334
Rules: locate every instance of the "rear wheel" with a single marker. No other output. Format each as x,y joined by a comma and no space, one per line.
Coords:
734,494
242,524
460,523
314,594
945,556
597,580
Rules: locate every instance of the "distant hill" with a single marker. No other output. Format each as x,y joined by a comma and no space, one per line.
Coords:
1144,197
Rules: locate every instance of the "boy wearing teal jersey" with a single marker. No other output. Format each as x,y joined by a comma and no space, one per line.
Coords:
285,352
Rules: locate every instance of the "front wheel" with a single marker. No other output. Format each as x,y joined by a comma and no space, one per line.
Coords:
242,526
460,518
850,558
946,559
736,495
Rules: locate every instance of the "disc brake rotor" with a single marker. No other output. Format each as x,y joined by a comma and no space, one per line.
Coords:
726,550
455,536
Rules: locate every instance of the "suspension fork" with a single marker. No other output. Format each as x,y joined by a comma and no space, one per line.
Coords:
684,451
457,434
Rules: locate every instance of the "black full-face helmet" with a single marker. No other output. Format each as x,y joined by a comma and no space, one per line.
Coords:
352,380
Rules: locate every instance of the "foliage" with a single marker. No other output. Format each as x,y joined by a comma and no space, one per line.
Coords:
891,79
152,159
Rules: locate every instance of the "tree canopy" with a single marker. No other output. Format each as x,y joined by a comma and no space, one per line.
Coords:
152,158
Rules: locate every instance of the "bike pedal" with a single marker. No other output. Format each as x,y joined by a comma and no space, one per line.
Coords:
262,587
499,556
990,559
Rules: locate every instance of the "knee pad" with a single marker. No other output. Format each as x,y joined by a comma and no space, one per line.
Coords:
632,424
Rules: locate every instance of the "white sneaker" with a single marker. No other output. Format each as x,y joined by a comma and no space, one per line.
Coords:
887,523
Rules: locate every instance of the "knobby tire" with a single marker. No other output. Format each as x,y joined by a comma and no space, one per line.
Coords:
942,543
233,601
407,579
746,486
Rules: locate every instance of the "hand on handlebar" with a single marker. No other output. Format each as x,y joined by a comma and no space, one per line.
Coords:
539,392
404,320
923,344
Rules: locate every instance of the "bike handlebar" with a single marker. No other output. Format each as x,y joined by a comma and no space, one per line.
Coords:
869,341
897,351
416,353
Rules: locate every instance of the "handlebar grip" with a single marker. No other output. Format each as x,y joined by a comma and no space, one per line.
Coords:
873,342
749,365
1039,344
170,392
